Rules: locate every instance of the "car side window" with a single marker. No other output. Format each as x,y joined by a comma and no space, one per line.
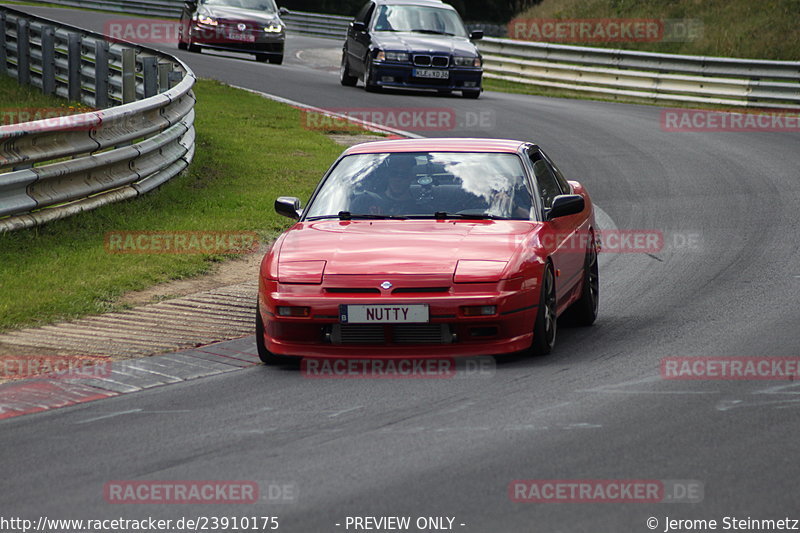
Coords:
546,180
562,181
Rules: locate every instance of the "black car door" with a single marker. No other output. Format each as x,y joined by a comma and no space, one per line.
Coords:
358,39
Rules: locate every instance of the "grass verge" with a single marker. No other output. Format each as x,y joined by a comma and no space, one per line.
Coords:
249,151
766,29
23,104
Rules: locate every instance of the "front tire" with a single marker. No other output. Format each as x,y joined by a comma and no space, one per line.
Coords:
276,60
369,79
546,326
191,46
345,78
584,311
475,94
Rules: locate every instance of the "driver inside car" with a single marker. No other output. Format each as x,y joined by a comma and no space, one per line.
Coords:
396,198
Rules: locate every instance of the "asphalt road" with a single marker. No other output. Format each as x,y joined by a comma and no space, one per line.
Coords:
595,409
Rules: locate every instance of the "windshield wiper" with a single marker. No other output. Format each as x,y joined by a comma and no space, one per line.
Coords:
347,215
442,215
432,32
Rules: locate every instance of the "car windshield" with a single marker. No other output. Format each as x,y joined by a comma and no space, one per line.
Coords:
267,6
432,20
424,185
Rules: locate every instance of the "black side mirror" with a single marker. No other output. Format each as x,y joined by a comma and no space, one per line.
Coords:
191,6
565,205
283,11
358,26
476,35
288,206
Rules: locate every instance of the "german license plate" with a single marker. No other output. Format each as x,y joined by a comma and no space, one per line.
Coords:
244,37
384,314
432,73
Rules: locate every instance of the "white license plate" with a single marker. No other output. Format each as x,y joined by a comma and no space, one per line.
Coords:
384,314
432,73
244,37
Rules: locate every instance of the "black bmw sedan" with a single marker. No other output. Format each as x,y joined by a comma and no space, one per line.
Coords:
417,44
249,26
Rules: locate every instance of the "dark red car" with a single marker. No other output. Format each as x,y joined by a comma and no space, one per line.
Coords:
430,248
247,26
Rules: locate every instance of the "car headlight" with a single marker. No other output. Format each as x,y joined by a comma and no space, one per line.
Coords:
467,61
399,57
273,27
396,57
206,20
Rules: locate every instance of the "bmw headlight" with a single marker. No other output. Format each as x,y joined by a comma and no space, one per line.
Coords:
273,27
467,61
207,21
395,57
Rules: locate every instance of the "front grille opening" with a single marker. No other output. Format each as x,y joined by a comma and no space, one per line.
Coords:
422,334
483,332
422,61
352,290
441,61
421,290
379,334
358,334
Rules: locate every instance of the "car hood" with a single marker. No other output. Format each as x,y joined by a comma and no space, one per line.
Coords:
402,247
237,13
420,43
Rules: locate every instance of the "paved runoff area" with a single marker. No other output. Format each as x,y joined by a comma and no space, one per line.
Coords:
112,378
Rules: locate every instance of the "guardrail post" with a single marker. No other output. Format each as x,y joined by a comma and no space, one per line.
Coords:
48,60
3,58
150,73
74,66
128,75
163,77
175,77
101,74
23,52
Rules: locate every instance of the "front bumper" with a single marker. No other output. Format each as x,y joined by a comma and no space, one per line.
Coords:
448,333
388,74
220,39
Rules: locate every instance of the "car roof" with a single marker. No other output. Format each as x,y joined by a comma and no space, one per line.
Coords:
437,145
432,3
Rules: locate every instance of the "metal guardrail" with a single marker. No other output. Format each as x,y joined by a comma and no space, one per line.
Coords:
56,167
647,75
658,77
157,8
330,26
314,24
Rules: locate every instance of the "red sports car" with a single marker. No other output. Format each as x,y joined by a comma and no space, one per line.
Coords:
430,248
